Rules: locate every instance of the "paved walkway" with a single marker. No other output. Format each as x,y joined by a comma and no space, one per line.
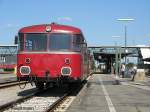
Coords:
13,93
7,78
102,95
146,82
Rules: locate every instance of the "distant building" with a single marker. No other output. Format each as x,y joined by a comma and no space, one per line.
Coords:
8,56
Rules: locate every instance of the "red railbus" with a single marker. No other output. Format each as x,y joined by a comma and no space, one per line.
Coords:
51,53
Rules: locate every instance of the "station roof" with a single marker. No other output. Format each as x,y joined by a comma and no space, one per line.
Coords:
8,49
118,46
8,45
146,59
107,55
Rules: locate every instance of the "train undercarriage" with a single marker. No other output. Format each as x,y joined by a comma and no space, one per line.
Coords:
45,82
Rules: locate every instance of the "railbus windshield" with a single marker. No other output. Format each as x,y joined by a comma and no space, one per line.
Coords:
36,42
60,41
32,42
50,42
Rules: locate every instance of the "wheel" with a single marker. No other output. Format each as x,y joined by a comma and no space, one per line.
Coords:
39,85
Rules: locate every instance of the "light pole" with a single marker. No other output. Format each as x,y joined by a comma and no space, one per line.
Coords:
117,60
125,20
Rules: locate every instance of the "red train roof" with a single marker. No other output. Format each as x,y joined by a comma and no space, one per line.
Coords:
54,28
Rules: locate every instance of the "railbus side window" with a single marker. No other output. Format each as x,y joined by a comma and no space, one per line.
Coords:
77,42
21,41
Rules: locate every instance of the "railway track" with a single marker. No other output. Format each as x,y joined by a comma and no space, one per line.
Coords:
47,100
62,104
35,104
10,84
42,101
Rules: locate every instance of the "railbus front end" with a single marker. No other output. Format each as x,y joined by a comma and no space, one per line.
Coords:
51,54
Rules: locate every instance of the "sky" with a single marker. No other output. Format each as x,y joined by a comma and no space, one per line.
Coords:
96,18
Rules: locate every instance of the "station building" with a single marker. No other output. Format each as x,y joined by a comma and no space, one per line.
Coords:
8,57
105,56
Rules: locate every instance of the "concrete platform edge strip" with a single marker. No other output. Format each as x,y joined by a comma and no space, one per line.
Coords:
81,92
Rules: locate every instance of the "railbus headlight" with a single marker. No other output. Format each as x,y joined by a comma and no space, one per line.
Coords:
48,28
66,71
25,70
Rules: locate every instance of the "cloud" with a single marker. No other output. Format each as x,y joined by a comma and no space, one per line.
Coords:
64,19
9,25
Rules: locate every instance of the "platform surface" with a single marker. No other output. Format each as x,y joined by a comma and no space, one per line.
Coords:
7,78
102,95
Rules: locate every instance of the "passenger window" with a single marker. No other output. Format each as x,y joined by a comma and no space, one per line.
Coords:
77,42
21,41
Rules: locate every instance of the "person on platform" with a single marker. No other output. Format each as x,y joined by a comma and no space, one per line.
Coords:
134,71
123,70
